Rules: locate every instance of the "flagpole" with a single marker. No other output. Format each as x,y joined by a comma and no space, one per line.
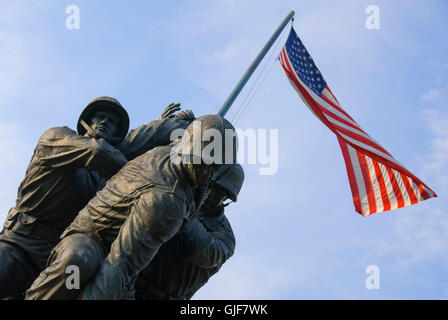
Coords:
236,91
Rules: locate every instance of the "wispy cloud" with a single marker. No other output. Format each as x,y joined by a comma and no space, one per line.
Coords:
436,163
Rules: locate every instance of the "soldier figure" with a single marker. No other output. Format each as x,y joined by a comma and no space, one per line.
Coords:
187,261
65,172
144,205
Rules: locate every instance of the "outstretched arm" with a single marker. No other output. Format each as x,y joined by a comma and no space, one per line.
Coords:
155,133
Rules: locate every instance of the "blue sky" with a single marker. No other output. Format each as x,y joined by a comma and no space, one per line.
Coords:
298,235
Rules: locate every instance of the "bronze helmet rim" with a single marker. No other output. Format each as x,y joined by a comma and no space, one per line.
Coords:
107,104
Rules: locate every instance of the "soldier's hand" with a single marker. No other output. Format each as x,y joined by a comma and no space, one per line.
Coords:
185,115
169,110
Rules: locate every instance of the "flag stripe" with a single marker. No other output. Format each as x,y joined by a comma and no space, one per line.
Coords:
395,188
346,126
351,175
416,191
409,189
359,180
329,98
367,182
382,186
375,184
357,128
404,192
327,106
369,148
423,193
332,115
429,191
331,92
329,101
389,189
362,139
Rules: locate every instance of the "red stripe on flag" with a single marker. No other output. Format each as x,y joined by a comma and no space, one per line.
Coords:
423,193
336,117
337,107
389,163
395,188
409,189
328,88
351,175
360,138
382,185
367,182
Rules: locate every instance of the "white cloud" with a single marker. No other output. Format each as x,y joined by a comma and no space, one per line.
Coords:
436,163
418,238
432,94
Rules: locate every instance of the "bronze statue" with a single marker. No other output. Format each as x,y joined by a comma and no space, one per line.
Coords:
65,172
120,230
188,260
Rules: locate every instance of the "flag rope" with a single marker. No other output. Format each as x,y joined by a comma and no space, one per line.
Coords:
253,66
244,106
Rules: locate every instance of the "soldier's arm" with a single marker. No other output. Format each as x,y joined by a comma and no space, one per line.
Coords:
146,137
208,245
155,218
63,148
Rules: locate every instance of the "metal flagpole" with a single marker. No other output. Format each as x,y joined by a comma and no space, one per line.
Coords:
236,91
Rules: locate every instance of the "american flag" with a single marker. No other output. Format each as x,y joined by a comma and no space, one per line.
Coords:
378,182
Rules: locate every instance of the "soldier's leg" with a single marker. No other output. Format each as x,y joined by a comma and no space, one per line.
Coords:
154,219
17,270
71,265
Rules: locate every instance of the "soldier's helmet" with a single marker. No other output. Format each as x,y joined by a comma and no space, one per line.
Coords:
232,181
107,104
210,140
